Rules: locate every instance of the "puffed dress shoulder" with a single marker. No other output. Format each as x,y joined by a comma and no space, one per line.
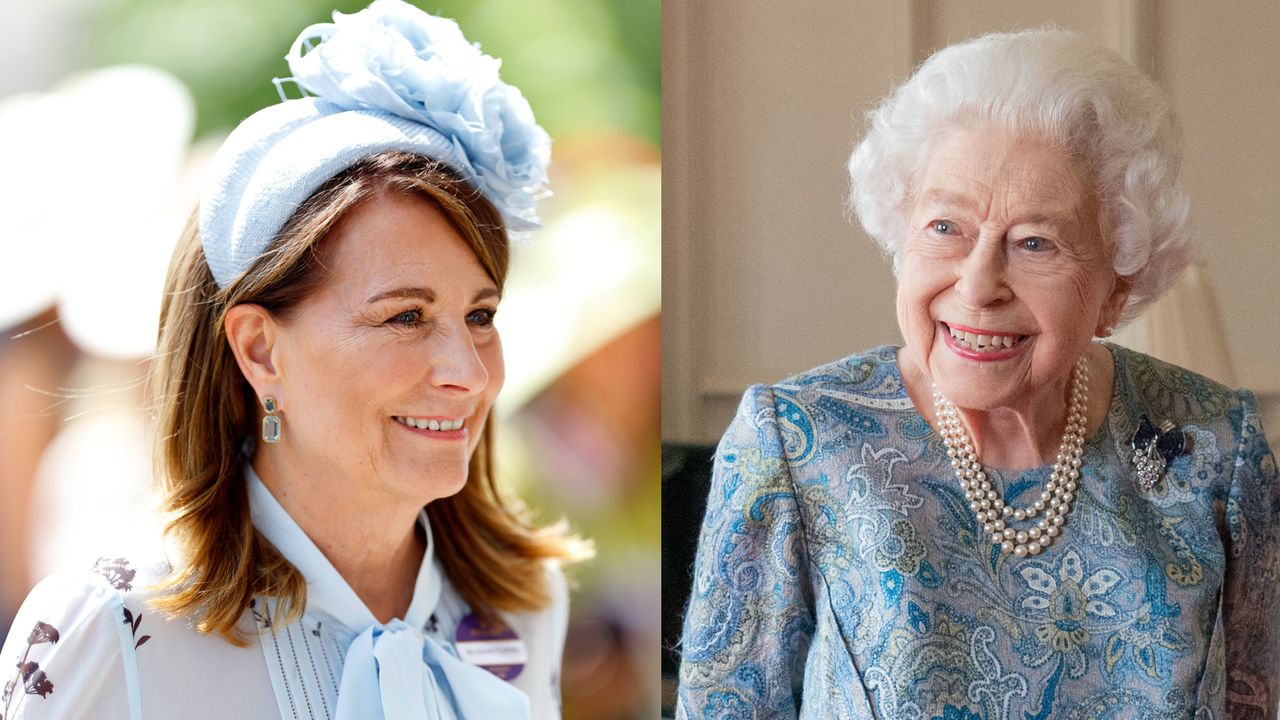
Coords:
87,645
840,572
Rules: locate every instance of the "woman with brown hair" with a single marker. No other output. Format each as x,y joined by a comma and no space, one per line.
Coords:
328,364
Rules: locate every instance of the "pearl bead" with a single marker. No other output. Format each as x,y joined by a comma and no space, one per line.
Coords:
985,501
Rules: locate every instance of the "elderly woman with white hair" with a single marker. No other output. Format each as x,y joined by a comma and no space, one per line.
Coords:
1003,517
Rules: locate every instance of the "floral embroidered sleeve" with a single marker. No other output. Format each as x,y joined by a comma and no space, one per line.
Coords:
70,651
1251,590
750,617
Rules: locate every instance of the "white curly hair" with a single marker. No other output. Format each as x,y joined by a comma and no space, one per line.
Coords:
1054,85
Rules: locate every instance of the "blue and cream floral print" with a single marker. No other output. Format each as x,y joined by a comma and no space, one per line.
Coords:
841,574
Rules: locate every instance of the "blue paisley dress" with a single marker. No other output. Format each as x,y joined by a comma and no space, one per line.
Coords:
841,574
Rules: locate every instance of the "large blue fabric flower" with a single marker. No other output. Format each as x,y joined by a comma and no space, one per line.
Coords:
396,58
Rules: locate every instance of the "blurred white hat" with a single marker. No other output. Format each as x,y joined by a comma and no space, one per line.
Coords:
90,210
593,273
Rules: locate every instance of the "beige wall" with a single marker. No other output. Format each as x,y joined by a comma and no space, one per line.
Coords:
764,275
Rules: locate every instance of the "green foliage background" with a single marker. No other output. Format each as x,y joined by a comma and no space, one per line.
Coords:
586,66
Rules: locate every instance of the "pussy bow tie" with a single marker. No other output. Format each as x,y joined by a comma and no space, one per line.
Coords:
392,670
395,672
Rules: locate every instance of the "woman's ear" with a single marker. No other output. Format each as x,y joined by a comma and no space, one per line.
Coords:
1113,306
252,334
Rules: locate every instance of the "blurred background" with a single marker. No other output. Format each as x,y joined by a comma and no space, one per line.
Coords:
109,110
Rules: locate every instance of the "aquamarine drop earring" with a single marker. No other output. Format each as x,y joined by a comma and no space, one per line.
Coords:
270,423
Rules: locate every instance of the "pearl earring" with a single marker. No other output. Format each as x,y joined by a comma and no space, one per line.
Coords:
270,423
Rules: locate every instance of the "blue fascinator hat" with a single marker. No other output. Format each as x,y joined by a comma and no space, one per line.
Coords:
389,77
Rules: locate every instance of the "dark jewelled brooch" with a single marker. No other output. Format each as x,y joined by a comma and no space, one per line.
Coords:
1154,449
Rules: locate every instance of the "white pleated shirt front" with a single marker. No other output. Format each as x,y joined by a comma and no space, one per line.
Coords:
87,645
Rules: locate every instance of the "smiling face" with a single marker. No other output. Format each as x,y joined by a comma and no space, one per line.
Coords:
1004,277
389,371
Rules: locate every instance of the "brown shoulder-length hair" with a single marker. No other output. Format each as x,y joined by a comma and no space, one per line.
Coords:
207,414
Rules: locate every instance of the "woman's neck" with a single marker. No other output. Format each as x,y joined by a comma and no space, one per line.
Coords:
374,543
1027,435
1015,439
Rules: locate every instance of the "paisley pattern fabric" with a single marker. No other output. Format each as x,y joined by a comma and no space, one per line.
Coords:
841,574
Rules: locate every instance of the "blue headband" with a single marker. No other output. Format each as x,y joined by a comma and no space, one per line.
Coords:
389,77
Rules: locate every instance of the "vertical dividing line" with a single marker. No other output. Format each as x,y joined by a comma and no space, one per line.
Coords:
681,143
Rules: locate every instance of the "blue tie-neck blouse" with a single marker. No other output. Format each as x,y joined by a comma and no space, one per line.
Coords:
87,645
391,670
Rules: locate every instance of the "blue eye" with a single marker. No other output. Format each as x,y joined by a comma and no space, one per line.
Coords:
942,227
482,318
408,318
1036,244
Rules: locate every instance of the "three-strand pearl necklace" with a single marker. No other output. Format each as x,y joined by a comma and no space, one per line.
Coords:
986,502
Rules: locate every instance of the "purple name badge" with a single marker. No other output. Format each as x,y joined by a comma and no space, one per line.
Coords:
491,645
